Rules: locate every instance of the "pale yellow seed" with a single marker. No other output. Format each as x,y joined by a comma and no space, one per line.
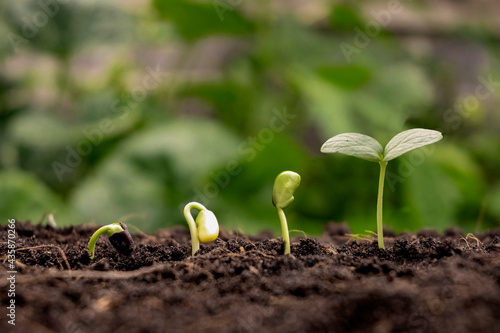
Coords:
208,227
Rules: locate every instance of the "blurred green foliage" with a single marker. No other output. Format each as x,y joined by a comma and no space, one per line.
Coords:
130,112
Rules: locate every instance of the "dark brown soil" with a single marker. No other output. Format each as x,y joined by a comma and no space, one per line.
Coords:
421,283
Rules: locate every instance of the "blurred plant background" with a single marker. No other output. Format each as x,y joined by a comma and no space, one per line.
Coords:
130,109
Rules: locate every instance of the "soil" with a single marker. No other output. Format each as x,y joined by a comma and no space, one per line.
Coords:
424,282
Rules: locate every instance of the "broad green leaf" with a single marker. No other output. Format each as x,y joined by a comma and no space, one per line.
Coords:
319,95
225,97
345,17
38,130
194,20
409,140
354,144
42,131
378,109
347,77
284,186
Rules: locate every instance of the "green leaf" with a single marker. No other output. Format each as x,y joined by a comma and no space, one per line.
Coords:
42,131
347,77
225,97
194,20
409,140
380,110
345,17
319,95
354,144
284,186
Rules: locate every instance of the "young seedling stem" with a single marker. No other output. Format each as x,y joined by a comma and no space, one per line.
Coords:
285,185
205,229
380,199
284,229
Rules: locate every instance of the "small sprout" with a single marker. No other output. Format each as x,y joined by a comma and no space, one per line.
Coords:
52,222
285,185
367,148
205,229
118,235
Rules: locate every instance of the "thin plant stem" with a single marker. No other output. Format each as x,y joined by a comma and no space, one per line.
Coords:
380,225
284,229
195,242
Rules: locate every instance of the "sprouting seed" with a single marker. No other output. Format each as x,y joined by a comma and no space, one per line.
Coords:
205,229
118,236
284,187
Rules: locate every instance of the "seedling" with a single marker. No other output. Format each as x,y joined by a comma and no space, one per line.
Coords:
367,148
285,185
118,235
205,229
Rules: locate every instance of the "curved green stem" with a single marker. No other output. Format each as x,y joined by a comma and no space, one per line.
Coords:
195,242
110,229
284,229
380,225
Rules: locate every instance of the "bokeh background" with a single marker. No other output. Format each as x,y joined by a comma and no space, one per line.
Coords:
127,110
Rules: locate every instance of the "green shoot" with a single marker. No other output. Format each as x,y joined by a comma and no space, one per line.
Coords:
367,148
118,235
205,229
285,185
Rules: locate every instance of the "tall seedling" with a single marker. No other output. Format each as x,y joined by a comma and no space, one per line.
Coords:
367,148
